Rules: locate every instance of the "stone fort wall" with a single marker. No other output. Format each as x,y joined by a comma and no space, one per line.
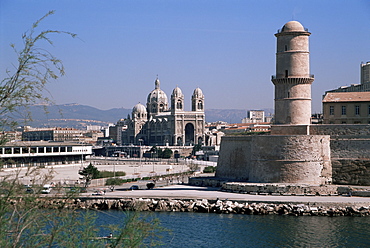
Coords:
350,152
276,159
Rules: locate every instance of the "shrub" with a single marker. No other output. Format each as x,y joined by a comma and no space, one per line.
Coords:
114,181
209,169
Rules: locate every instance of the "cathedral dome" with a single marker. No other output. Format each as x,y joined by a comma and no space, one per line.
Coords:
198,93
293,26
157,95
177,92
139,109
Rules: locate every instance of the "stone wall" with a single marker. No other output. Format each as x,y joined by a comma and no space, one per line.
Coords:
350,152
340,130
275,159
211,206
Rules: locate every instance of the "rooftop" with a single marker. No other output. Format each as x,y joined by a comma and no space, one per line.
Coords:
347,97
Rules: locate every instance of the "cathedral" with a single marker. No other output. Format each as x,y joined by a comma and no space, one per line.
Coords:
157,123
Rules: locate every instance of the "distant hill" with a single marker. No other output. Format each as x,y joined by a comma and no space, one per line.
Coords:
79,116
227,115
75,115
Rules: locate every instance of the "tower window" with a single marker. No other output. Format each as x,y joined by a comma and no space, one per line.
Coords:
286,73
286,48
200,105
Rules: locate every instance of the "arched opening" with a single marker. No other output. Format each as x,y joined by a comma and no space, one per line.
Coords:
189,134
179,104
200,105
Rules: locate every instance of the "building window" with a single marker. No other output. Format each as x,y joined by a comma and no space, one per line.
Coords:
286,48
357,110
286,73
344,110
331,110
368,111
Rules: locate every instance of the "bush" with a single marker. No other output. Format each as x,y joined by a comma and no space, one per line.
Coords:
209,169
114,181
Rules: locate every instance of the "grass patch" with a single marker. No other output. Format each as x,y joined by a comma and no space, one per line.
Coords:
105,174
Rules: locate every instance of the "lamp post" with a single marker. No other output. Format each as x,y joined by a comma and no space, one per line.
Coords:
140,140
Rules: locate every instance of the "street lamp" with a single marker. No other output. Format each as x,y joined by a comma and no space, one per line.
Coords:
140,140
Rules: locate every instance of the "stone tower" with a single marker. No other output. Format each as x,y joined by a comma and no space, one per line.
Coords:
292,80
177,100
157,100
197,100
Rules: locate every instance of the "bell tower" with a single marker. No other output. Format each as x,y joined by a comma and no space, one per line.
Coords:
292,80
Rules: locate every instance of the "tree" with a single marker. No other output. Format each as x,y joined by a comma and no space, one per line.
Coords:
24,221
26,83
90,172
166,153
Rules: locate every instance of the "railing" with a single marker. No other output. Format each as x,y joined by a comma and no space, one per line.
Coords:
281,30
282,76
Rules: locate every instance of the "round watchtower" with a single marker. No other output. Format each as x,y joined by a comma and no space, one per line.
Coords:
292,80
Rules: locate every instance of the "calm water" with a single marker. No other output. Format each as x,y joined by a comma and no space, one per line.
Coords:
214,230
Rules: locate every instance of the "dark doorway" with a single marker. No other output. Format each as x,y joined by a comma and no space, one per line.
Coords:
189,134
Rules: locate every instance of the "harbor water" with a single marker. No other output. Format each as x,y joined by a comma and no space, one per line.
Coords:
232,230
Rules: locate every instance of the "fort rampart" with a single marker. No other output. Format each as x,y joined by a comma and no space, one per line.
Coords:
276,159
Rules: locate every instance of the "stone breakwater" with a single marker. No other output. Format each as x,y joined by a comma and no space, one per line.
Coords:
210,206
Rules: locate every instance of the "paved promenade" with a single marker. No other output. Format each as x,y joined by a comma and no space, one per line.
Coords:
193,192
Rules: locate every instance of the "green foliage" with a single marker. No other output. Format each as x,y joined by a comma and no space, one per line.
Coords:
209,169
90,172
167,153
159,153
105,174
196,148
26,218
25,84
114,181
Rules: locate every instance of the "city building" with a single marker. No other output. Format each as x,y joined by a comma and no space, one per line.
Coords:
60,134
364,85
346,108
157,123
254,116
42,153
365,72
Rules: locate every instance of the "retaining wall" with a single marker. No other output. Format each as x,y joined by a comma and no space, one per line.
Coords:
275,159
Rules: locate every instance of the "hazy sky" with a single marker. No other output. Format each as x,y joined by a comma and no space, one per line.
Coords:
227,48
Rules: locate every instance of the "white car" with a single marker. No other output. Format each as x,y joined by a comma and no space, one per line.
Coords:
46,189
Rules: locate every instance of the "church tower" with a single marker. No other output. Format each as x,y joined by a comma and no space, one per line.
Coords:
156,101
177,100
197,100
292,80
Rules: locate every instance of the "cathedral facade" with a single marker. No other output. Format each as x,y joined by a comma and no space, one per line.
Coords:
157,123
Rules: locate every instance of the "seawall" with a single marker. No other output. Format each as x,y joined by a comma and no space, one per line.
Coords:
212,206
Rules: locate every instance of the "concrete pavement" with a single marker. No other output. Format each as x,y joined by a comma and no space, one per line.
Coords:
193,192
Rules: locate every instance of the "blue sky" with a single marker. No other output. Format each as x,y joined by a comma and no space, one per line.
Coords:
227,48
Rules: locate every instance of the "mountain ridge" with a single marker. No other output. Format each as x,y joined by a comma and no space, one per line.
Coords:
77,115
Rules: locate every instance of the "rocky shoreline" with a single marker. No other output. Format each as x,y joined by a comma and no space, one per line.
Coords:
208,206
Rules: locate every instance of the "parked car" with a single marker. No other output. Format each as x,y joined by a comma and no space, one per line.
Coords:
29,189
46,189
134,187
